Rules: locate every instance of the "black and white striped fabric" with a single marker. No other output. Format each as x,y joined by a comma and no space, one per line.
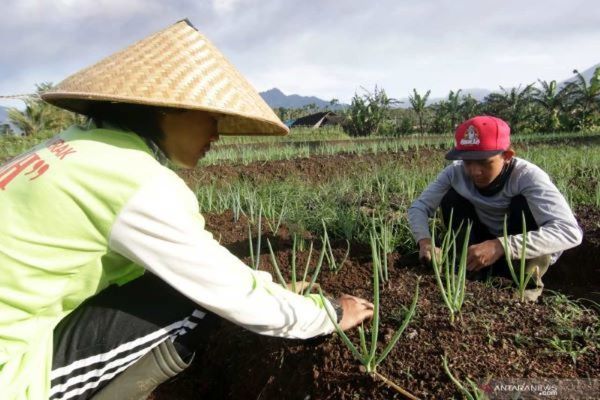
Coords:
114,329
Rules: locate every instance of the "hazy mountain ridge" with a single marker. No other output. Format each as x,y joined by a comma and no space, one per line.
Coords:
276,98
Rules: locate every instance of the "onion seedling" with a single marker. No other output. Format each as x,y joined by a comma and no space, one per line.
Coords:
255,260
452,288
333,266
474,394
367,354
523,278
294,283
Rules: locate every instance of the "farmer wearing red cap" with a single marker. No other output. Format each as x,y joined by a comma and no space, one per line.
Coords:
485,184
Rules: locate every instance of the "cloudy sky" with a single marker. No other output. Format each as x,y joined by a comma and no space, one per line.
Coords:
327,48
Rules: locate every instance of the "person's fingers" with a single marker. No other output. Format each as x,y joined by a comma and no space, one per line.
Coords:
365,314
425,258
479,267
470,263
366,304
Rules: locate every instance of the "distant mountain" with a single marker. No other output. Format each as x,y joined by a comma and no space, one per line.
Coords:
477,94
276,98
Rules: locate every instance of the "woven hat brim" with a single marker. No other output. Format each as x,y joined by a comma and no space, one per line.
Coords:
229,124
177,67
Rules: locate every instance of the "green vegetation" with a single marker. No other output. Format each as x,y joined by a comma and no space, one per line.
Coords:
452,287
255,259
577,327
348,200
528,109
304,287
473,392
367,113
367,355
523,277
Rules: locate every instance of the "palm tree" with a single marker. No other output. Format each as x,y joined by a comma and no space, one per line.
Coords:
453,107
584,97
469,107
41,117
418,104
552,100
511,105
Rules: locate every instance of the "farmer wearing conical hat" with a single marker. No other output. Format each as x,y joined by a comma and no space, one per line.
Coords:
86,213
485,184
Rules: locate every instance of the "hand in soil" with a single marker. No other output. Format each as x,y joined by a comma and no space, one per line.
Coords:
425,248
484,254
355,311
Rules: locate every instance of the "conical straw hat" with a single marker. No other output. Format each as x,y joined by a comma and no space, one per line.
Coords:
176,67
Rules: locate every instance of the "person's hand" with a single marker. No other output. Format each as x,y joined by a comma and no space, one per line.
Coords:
355,311
484,254
425,251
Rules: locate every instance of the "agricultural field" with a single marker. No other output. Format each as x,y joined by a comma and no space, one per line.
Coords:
337,208
320,206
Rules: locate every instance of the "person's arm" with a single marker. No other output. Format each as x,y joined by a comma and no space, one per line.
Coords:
161,229
425,205
558,228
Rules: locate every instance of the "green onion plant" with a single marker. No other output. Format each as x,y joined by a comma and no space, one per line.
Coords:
365,353
293,261
255,257
450,282
522,279
471,393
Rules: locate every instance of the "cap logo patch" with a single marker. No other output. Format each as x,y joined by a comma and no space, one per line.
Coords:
471,137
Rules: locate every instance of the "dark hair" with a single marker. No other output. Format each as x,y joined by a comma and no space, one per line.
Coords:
142,119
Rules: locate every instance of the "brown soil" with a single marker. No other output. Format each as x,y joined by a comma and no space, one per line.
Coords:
312,169
576,273
497,337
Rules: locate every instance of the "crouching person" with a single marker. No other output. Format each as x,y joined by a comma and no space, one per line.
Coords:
108,280
486,184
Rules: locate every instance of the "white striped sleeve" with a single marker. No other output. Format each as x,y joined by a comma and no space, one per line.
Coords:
161,229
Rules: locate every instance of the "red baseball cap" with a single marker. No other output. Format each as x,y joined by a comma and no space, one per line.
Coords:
479,138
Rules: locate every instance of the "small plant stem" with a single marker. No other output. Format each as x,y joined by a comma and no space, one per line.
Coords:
275,265
308,259
315,272
375,321
394,386
257,261
294,265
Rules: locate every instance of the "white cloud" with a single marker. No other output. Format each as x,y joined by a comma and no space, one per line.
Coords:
320,47
222,7
72,10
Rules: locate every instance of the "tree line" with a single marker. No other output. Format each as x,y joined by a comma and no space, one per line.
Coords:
546,107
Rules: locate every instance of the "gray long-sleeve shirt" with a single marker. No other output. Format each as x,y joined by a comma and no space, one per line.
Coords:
558,229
